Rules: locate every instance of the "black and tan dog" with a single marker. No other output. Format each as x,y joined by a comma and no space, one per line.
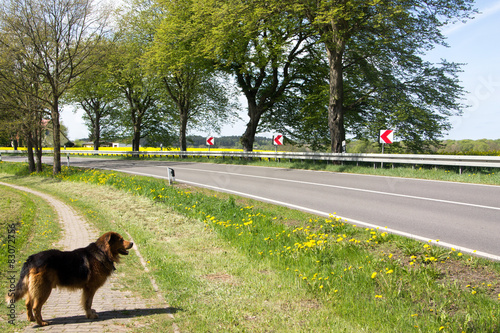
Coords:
85,268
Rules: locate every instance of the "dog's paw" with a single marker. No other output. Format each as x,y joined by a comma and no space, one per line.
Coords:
92,314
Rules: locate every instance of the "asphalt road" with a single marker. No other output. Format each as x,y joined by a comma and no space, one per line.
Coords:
463,216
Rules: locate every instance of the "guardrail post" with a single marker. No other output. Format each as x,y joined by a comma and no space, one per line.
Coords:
67,157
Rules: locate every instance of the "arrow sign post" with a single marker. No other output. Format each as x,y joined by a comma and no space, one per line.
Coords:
277,141
210,142
386,136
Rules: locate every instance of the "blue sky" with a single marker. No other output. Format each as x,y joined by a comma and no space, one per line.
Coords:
475,43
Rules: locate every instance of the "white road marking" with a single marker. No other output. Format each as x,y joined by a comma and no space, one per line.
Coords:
350,221
325,214
350,189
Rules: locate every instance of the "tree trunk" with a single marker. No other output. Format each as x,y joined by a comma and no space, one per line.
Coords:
137,138
97,131
39,165
247,139
37,142
182,131
335,51
29,146
56,131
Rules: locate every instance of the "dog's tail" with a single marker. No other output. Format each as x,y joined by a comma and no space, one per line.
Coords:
21,288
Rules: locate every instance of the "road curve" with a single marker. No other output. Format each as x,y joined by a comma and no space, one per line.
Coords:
464,216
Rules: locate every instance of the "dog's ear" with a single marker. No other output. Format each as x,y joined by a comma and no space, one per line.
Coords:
111,238
104,243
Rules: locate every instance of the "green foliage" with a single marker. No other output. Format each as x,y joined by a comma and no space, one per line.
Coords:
375,55
470,147
95,93
192,93
313,70
261,47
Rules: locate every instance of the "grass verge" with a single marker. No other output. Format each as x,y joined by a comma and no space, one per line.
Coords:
233,264
28,225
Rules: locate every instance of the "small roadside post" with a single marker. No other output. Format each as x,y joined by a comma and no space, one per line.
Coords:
171,176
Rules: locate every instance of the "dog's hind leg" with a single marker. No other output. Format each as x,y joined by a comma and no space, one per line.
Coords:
29,308
38,301
87,299
39,291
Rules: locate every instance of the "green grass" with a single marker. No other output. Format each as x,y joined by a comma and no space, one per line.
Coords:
233,264
28,225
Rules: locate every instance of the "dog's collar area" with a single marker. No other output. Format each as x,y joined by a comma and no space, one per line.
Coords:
104,259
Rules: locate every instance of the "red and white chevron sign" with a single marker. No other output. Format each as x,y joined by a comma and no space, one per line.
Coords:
210,141
278,139
386,136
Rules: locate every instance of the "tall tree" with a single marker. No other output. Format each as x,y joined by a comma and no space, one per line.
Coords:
143,113
96,95
193,92
22,91
374,50
56,37
257,44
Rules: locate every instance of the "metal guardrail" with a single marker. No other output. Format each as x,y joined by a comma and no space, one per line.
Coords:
411,159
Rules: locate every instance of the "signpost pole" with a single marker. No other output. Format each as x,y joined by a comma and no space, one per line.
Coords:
382,163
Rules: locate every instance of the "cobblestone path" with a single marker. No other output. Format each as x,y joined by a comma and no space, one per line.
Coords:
118,310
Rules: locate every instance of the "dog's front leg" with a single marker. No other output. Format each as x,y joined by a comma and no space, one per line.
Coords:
87,299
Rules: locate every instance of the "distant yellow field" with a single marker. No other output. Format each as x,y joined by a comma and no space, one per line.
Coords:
144,149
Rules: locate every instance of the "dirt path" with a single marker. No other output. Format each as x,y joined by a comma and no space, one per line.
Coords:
118,310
